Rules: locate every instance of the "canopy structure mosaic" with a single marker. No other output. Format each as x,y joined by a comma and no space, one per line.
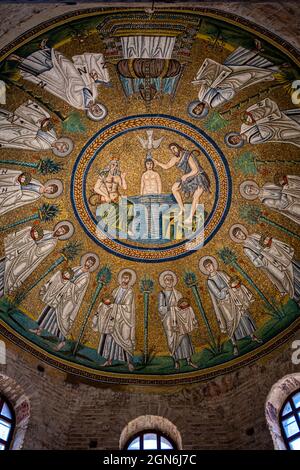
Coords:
149,193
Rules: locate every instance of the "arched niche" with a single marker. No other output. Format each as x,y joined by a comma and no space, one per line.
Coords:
15,395
278,395
153,422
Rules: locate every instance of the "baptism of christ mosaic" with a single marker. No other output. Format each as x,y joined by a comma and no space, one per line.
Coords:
149,193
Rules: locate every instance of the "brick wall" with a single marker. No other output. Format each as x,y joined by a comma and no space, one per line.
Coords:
224,413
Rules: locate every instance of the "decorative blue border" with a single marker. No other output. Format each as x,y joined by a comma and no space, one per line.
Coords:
139,116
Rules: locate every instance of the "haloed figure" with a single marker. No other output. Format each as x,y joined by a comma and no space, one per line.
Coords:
273,257
231,301
18,189
265,122
200,108
194,180
116,325
25,250
178,320
30,127
282,196
219,83
75,80
63,295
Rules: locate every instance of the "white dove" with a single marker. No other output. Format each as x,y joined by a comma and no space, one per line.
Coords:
150,143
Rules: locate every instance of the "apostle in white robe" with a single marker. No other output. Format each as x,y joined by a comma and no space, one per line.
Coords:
18,189
282,196
275,258
63,295
74,81
231,301
24,252
219,83
55,293
265,122
29,127
178,320
117,325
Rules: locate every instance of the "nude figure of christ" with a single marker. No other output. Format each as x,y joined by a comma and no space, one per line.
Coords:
151,180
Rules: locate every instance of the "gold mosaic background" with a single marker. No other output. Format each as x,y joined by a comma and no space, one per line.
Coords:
131,156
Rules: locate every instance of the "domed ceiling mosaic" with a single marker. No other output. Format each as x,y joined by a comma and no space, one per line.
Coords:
149,193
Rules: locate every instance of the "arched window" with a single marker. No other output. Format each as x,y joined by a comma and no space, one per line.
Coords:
150,440
7,423
290,421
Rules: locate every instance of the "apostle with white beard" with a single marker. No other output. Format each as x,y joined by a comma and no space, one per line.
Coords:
63,295
116,324
282,196
25,250
265,122
18,189
29,127
272,256
74,81
219,83
231,301
178,319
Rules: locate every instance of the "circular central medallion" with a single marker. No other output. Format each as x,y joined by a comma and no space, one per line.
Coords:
139,180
